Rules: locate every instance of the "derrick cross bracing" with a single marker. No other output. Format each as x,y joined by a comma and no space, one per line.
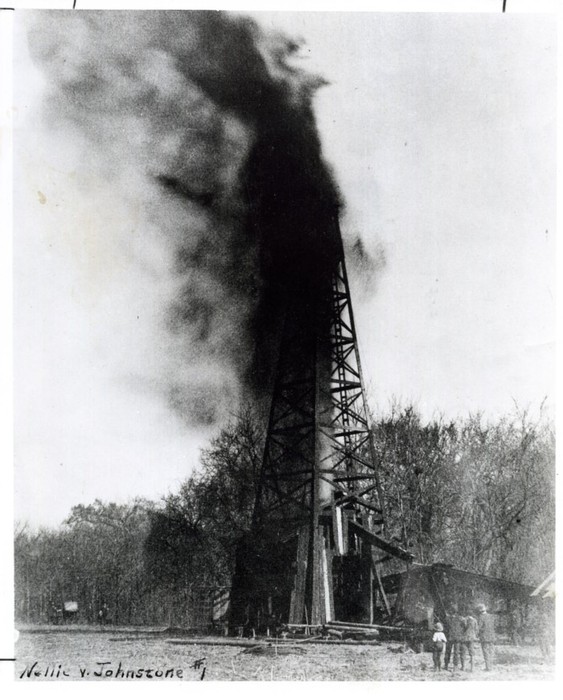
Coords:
319,507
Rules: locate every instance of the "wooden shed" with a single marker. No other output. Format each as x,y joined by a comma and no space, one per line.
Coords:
423,594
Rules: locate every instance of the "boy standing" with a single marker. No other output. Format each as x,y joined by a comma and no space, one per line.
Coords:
438,642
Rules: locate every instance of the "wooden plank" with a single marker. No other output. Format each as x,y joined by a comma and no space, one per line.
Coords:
381,589
380,543
383,559
298,593
370,583
317,605
253,643
345,531
359,626
339,531
341,629
326,586
329,556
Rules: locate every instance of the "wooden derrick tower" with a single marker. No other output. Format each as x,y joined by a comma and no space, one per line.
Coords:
318,532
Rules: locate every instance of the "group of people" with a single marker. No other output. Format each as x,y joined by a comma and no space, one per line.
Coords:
463,633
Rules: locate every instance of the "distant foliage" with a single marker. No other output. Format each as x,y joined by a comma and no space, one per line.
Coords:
475,494
141,562
472,493
94,558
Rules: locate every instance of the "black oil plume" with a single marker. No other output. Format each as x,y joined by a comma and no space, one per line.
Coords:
202,118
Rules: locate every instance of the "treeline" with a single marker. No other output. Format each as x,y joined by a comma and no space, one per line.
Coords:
143,562
474,494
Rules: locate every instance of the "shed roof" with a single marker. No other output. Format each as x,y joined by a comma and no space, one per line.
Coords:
546,589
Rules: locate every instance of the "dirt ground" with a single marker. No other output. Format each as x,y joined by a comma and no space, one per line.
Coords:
110,654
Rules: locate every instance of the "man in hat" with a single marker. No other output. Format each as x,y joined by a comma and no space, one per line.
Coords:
514,625
454,627
487,635
470,636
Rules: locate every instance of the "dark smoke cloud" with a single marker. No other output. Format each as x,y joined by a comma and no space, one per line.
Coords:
201,117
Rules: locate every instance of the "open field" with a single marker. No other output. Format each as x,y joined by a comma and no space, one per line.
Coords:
111,654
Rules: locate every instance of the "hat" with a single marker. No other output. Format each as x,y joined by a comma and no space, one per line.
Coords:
480,607
439,627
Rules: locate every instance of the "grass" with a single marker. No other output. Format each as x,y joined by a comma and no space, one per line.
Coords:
97,652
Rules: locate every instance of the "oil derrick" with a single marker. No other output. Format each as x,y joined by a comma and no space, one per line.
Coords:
319,515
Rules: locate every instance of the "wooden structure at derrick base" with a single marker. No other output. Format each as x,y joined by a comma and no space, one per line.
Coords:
423,594
317,543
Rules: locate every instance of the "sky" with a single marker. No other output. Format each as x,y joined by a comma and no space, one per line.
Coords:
440,131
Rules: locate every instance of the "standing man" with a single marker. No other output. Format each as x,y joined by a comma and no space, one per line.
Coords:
454,623
470,636
543,633
514,625
487,635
